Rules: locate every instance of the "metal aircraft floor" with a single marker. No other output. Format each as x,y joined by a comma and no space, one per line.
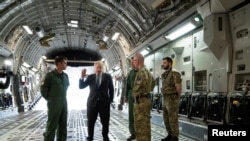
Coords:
29,126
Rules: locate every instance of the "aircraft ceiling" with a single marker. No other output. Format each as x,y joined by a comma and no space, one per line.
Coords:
135,20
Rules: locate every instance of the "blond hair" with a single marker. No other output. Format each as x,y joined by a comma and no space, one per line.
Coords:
98,63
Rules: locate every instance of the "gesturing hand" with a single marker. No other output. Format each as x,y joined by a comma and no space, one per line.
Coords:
84,73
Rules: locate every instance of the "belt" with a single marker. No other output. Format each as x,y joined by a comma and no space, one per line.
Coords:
137,98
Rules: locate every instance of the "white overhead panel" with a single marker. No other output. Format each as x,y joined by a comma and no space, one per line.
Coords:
220,6
240,27
203,8
216,33
208,7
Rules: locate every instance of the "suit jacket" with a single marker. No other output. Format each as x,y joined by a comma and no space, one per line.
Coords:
103,94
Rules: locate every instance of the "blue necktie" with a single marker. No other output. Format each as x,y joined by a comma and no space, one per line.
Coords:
98,81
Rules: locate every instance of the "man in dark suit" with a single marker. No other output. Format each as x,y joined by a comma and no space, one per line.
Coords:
99,100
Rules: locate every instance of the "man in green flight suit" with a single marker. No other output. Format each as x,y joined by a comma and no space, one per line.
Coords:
53,89
129,98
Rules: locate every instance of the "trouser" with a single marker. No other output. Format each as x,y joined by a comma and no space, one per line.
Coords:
57,121
170,114
104,113
131,114
142,119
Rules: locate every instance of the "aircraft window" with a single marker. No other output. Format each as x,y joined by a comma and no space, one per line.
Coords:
241,67
187,59
195,42
239,55
188,84
183,73
242,33
200,78
220,24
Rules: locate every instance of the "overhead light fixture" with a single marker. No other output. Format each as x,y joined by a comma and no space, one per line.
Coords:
7,62
144,52
115,36
44,57
72,25
34,69
111,71
105,38
116,68
197,20
148,48
26,65
74,21
27,29
180,31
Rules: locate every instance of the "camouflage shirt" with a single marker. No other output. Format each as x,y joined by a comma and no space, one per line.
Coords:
144,82
170,79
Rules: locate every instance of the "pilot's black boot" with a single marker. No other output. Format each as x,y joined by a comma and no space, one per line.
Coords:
168,138
130,138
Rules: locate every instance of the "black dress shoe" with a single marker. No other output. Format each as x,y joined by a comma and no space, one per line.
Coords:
130,138
89,139
168,138
174,139
106,139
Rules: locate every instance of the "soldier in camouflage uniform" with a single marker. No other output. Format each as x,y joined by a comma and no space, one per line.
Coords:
143,84
171,90
129,98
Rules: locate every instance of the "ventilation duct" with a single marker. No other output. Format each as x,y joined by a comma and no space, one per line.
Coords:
207,8
216,37
178,50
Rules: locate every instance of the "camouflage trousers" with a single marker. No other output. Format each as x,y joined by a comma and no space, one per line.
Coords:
142,119
131,114
170,113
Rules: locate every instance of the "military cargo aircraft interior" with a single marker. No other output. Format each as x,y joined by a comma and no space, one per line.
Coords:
207,40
